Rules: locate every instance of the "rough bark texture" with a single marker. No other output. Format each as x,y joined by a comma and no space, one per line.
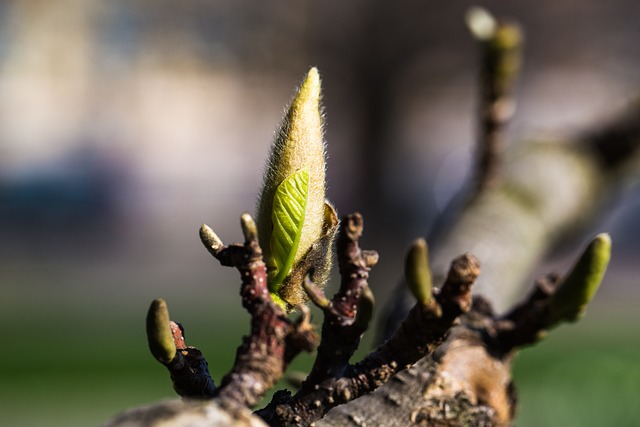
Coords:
192,413
461,384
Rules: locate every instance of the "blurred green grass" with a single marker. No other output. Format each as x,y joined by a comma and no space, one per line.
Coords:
585,374
70,368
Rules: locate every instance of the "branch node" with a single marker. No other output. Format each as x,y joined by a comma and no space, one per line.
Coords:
370,258
352,225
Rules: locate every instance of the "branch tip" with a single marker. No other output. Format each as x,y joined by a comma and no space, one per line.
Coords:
210,239
500,44
417,272
464,269
249,228
456,290
370,257
159,333
571,298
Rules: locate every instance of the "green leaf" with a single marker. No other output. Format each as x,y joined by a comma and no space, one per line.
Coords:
288,214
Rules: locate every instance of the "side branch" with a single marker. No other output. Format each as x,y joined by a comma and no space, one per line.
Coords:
501,50
274,340
424,329
347,314
187,366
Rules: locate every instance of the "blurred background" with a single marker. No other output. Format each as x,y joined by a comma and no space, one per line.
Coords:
126,124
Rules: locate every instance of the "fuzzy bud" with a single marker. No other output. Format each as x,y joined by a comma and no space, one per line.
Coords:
292,216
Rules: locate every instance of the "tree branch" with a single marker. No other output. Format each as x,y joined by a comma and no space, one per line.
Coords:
333,381
461,351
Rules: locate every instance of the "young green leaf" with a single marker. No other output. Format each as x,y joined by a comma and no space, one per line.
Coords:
288,214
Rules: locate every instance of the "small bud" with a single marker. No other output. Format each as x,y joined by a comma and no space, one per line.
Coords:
501,42
570,300
210,239
504,53
366,306
249,229
417,272
159,333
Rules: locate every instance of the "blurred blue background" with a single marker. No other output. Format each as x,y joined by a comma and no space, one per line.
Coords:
124,125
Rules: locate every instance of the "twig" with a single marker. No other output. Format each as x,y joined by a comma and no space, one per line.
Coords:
526,324
274,339
190,371
333,381
554,301
501,46
187,366
347,314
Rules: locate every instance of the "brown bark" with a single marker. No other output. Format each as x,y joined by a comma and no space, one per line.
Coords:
462,384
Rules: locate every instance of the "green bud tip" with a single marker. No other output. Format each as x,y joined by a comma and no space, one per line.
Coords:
508,37
570,300
159,333
417,272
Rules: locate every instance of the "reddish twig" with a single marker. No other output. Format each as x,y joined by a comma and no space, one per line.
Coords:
189,370
187,366
341,333
274,340
526,323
